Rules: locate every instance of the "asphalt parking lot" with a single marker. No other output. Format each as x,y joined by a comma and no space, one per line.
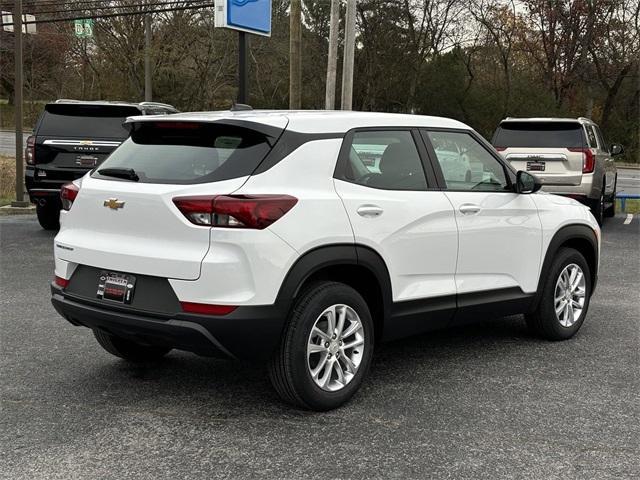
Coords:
485,401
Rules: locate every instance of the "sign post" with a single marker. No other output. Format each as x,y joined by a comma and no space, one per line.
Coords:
245,16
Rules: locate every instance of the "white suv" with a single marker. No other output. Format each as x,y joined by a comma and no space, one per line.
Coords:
263,235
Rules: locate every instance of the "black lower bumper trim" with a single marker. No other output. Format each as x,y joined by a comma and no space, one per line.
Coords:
248,333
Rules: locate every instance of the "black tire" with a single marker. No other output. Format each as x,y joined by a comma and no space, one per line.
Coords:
597,207
48,216
610,211
288,369
544,320
128,350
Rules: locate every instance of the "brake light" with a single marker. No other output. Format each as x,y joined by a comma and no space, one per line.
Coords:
235,211
588,160
61,282
68,194
500,149
206,308
30,151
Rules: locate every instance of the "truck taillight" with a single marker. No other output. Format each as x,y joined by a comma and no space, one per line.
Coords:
68,194
30,151
588,160
235,211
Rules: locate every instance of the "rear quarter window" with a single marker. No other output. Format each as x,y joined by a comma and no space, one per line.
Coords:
189,153
539,134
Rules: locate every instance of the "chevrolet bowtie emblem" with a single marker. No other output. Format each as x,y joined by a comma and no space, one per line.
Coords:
113,204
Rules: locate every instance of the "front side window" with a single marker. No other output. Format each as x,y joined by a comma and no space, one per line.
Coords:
466,164
385,159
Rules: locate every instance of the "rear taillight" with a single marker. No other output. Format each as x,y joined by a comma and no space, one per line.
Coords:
588,160
206,308
61,282
68,194
30,151
235,211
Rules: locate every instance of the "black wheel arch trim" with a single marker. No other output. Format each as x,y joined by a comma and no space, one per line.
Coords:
319,258
560,238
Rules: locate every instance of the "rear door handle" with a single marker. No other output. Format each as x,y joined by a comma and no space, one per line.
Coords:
469,209
369,211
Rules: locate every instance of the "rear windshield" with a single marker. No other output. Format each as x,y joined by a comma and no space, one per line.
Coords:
85,121
539,134
187,153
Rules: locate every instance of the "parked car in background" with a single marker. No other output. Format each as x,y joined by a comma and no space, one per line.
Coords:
568,155
265,236
70,138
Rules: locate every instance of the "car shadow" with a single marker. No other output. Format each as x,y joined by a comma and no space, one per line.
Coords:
186,384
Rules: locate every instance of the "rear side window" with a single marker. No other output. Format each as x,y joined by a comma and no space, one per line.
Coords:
591,136
189,153
385,159
85,121
539,134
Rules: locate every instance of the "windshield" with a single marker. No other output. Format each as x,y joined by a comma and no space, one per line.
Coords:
188,152
539,134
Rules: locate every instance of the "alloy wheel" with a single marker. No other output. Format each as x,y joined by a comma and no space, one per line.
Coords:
335,347
570,295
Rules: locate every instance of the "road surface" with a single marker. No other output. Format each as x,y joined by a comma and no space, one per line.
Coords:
487,401
629,181
8,142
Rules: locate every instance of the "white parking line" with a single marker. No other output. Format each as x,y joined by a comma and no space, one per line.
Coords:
627,220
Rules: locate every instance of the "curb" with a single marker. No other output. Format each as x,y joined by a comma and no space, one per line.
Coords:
9,210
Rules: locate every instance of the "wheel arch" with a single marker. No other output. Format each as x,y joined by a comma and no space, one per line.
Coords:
358,266
579,237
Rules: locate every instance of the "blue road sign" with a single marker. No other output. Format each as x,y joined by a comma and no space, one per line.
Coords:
253,16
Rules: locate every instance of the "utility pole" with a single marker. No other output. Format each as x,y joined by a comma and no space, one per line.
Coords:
349,52
17,31
295,56
332,61
148,93
243,72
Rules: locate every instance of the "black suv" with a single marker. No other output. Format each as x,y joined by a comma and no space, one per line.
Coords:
70,138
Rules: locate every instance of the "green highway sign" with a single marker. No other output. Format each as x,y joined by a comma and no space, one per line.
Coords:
84,28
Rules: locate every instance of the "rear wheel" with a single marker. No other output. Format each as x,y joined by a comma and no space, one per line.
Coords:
565,297
597,207
610,211
48,216
326,348
131,351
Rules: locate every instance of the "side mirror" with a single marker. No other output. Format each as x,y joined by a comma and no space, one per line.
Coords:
616,149
527,183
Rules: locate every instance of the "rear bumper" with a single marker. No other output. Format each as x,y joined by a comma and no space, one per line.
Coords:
248,333
48,188
583,192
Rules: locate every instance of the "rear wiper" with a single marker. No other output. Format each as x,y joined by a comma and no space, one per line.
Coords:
126,173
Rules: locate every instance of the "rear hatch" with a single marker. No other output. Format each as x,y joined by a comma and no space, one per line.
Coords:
141,230
74,138
554,151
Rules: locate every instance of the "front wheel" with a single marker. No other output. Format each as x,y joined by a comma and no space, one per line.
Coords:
326,348
565,297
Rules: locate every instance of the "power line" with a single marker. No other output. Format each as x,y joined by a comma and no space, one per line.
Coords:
111,15
120,7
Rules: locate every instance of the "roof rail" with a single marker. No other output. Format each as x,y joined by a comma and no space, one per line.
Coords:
585,119
67,100
157,104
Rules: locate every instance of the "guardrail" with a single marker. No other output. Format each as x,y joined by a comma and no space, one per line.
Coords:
623,197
